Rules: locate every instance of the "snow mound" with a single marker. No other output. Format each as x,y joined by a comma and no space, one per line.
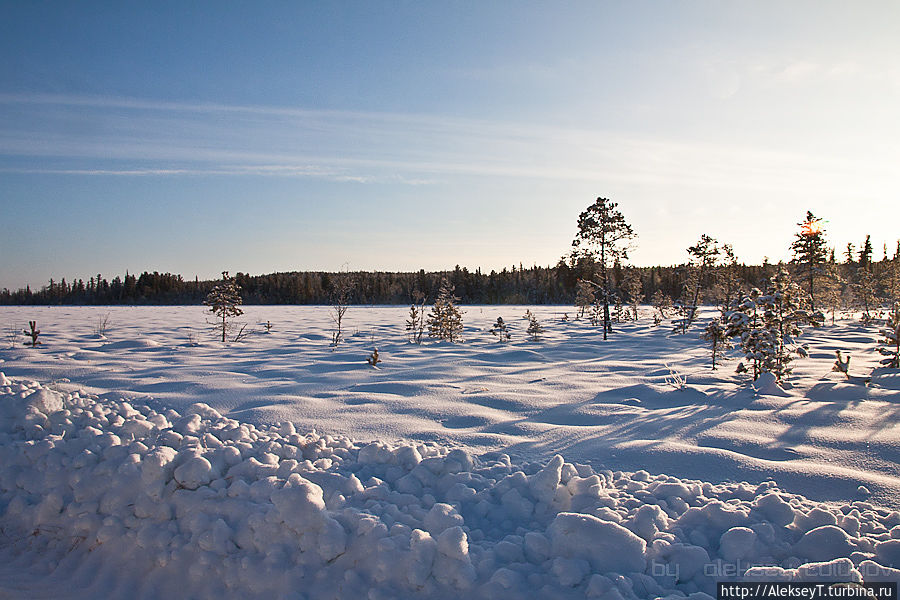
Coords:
142,501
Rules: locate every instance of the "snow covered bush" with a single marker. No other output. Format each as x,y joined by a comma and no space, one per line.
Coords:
224,302
445,320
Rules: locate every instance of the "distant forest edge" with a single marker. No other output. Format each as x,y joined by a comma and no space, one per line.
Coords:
517,285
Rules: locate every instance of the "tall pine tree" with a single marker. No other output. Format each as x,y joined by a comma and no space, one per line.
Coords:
604,235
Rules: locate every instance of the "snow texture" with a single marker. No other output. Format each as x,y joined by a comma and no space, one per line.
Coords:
180,490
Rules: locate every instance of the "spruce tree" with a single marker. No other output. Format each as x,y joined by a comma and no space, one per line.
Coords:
603,235
810,252
865,254
224,301
445,320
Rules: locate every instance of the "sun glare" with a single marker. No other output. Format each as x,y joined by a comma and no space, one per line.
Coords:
811,228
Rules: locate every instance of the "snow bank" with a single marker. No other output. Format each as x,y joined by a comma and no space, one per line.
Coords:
199,505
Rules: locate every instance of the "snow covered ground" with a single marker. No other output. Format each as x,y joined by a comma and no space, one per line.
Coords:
562,467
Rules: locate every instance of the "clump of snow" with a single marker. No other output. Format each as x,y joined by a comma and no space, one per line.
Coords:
197,504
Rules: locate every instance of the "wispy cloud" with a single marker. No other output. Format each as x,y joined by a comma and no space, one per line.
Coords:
91,136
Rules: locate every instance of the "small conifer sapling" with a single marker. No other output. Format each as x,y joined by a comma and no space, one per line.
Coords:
535,329
445,320
716,333
500,330
224,302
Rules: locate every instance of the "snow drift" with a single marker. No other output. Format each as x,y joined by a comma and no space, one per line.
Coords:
120,498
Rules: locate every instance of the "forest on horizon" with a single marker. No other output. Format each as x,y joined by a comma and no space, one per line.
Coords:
516,285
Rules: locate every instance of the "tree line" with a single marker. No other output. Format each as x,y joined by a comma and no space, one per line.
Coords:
514,285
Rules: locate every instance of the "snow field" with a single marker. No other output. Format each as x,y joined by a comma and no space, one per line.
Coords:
116,497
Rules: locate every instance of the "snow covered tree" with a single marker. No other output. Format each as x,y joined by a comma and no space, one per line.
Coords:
445,321
716,333
604,235
810,252
767,325
535,329
224,302
500,330
890,344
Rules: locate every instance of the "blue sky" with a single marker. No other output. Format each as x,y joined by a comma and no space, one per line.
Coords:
272,136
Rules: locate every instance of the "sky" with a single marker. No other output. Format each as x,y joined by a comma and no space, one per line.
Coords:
277,136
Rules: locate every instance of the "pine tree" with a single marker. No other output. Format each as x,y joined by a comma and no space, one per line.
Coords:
810,252
716,333
768,325
224,301
703,258
604,235
890,344
445,320
535,329
500,330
